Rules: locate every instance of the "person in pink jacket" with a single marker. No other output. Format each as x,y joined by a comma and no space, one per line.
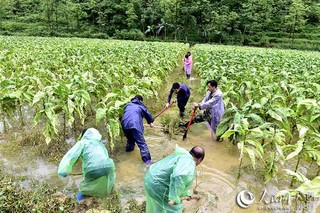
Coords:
187,62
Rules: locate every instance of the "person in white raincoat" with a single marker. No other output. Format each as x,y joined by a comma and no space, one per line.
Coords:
167,182
98,169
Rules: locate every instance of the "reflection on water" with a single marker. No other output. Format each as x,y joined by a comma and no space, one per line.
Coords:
215,183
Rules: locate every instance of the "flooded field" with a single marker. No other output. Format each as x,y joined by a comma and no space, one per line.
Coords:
216,182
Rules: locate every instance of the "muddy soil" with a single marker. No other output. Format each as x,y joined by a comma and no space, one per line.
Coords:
216,181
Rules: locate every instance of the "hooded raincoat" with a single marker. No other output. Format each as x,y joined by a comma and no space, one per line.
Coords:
132,125
168,180
215,107
98,169
134,113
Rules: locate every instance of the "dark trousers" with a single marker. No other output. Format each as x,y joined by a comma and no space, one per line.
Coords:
201,118
136,137
182,105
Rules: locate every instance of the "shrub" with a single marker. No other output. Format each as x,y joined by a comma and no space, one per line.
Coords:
129,35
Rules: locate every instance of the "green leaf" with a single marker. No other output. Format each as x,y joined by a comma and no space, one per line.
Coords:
228,133
256,119
108,96
37,97
119,104
251,153
308,103
263,101
256,106
70,107
300,177
314,154
245,124
47,134
298,148
115,127
240,146
314,117
100,114
280,154
84,95
311,188
237,118
222,127
111,137
274,115
302,130
257,146
38,115
256,132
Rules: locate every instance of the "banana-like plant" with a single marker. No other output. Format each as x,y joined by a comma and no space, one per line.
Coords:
51,121
307,147
249,141
273,140
63,78
233,116
10,99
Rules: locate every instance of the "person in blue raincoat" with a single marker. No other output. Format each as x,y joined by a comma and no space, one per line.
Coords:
183,95
132,126
98,169
213,107
167,182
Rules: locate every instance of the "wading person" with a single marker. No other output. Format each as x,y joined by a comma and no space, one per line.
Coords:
132,125
167,182
183,94
213,107
187,64
98,169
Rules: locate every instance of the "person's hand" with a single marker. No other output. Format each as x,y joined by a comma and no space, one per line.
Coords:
195,104
167,105
151,125
188,198
196,197
175,100
171,203
62,174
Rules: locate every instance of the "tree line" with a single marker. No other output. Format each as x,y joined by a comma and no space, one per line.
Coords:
222,21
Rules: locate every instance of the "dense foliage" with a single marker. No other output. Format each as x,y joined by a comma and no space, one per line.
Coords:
272,100
61,82
248,22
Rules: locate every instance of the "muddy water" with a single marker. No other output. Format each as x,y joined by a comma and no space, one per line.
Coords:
216,181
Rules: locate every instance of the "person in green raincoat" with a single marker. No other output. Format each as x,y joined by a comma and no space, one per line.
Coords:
98,169
167,182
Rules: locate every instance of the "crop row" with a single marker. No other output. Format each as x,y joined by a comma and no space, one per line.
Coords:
65,80
272,107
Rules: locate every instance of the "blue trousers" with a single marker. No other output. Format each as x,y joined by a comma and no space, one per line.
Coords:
136,137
